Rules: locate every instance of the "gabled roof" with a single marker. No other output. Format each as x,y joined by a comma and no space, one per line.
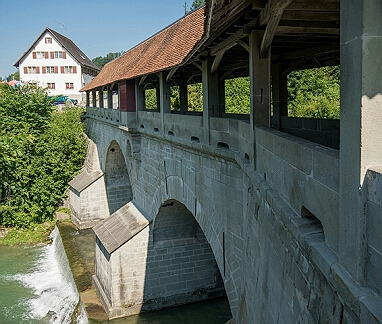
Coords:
166,49
69,46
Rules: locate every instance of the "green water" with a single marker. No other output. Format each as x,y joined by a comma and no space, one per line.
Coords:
209,312
33,283
14,295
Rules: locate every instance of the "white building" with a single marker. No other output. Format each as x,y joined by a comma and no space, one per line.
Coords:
55,62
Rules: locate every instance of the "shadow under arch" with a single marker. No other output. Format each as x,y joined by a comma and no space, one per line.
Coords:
117,180
181,266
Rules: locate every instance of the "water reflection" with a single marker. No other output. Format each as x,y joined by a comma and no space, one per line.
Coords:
215,311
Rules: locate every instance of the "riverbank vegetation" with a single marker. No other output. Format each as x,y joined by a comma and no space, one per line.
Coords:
40,151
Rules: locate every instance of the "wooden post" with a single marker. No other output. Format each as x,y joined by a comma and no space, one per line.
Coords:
280,96
183,96
259,71
87,99
210,97
164,98
94,98
140,96
221,110
100,97
110,96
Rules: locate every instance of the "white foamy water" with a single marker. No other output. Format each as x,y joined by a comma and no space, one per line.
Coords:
52,284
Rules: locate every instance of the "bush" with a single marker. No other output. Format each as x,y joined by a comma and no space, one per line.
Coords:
41,151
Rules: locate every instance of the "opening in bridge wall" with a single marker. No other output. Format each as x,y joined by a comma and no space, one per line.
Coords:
118,186
188,270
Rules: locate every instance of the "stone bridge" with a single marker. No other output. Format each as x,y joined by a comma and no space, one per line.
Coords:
281,214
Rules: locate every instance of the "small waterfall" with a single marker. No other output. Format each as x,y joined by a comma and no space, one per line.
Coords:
51,281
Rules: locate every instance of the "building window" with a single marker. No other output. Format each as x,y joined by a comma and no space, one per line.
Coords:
50,69
68,69
32,70
69,85
40,55
48,40
58,54
51,86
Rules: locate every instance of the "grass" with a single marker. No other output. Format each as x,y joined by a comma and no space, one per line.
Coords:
38,233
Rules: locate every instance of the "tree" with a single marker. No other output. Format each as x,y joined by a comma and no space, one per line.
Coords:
101,61
196,4
13,76
40,151
314,93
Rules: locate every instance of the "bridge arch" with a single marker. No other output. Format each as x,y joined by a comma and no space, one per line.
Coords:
117,179
188,271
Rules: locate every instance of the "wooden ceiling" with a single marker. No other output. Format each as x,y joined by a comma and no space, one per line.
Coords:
298,34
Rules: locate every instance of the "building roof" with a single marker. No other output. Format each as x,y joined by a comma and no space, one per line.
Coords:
69,46
166,49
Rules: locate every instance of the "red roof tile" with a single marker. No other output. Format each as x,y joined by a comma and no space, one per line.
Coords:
164,50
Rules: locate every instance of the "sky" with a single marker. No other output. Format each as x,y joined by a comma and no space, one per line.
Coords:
96,27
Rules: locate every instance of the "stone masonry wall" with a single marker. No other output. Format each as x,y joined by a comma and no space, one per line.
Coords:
277,266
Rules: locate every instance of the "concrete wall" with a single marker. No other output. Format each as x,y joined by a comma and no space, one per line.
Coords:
322,131
278,224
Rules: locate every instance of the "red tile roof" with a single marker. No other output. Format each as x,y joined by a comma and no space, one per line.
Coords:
164,50
68,44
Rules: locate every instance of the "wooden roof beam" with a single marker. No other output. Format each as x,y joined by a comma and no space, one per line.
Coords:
310,51
171,74
229,42
294,30
270,17
197,65
243,44
142,80
217,61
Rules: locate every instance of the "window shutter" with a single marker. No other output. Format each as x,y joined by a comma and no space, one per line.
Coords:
34,55
52,55
37,69
62,69
46,55
64,55
44,69
74,69
56,69
25,70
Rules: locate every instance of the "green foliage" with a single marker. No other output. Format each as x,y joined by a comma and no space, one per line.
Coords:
14,76
195,97
151,99
41,151
175,98
237,96
35,234
101,61
314,93
196,4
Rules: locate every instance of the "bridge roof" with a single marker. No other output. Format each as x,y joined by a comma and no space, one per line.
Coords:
166,49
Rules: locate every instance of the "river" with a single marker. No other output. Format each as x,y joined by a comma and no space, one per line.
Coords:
36,287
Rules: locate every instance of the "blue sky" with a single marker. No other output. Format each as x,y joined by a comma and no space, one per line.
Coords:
96,27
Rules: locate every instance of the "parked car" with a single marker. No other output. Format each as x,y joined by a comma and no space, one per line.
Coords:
60,100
